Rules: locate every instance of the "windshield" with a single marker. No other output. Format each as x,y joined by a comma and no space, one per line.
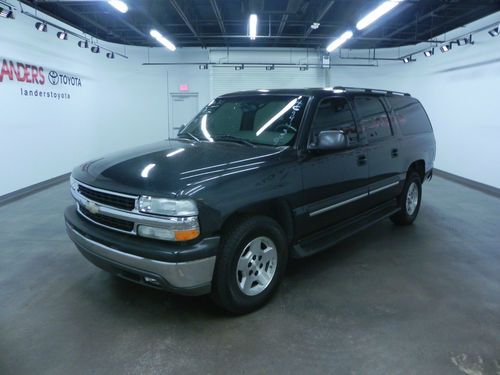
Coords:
260,119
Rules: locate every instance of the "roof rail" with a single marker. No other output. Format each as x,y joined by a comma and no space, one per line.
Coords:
375,91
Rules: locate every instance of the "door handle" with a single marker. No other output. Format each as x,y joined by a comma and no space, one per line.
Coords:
394,152
362,159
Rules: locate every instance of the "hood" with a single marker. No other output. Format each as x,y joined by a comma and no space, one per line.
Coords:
169,167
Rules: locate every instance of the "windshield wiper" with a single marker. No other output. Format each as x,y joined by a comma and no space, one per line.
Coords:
190,135
231,138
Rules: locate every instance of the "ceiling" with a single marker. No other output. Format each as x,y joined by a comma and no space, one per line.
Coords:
282,23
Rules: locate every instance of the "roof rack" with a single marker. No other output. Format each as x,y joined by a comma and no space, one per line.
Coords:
370,91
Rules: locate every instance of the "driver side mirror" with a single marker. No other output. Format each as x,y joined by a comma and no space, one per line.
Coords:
329,140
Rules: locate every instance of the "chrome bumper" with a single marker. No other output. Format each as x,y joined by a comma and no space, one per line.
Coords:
194,277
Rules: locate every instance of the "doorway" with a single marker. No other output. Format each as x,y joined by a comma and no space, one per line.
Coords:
183,108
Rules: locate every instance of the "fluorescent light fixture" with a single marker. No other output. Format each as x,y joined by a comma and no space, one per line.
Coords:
119,5
495,32
83,44
204,129
252,26
6,13
378,12
277,116
339,41
429,53
62,35
110,55
95,49
445,47
41,26
146,170
160,38
315,25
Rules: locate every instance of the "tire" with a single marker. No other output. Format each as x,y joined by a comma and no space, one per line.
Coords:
409,200
244,277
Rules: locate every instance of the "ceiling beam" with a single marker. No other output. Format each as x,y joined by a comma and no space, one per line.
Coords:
186,20
216,9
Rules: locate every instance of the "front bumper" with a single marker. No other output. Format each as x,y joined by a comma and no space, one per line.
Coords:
184,270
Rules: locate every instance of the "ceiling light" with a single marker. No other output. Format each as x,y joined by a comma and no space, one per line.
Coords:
406,60
315,25
239,67
62,35
41,26
429,53
339,41
270,67
445,47
495,32
160,38
83,44
119,5
110,55
462,41
252,26
6,13
95,49
203,66
378,12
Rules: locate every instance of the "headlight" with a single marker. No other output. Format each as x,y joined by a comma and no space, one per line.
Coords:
167,207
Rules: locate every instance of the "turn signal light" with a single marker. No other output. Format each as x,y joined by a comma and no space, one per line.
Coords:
186,235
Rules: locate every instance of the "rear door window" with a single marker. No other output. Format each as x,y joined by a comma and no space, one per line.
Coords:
410,114
373,118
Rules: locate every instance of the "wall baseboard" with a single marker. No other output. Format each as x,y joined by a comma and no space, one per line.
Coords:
24,192
487,189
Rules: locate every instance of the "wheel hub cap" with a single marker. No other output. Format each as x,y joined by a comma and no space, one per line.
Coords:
256,266
412,199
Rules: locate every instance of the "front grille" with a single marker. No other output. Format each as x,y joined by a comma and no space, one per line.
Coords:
117,201
108,221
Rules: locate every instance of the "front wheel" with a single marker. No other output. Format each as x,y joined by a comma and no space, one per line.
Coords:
250,264
409,200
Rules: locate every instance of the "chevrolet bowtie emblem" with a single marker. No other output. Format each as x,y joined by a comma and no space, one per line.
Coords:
92,207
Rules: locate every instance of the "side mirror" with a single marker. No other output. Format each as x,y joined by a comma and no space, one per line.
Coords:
329,140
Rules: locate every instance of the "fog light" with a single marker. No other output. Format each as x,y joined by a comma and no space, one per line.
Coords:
151,280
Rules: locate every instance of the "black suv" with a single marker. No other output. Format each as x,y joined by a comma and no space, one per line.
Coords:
255,178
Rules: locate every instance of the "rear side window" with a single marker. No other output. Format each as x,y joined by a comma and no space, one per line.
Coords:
335,114
373,118
410,115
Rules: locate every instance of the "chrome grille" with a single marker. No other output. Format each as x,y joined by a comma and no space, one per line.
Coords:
108,221
112,200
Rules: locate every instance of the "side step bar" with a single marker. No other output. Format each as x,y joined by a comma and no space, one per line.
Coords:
330,236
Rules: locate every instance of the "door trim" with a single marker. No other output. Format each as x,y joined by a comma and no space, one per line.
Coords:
325,209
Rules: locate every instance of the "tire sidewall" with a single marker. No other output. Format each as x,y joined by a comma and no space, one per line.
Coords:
413,178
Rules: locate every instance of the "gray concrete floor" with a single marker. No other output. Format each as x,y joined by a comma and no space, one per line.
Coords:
420,300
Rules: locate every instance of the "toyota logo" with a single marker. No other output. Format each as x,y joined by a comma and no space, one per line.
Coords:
53,77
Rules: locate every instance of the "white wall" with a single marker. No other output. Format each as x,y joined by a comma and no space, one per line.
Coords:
122,103
459,90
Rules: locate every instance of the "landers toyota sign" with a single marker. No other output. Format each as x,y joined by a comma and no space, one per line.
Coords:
38,81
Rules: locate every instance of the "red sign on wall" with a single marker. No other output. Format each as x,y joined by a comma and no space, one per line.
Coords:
183,87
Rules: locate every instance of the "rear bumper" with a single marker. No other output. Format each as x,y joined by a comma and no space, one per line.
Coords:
188,277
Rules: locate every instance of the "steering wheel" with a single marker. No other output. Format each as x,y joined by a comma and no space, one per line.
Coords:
290,128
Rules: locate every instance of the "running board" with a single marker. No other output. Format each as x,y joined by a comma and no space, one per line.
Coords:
328,237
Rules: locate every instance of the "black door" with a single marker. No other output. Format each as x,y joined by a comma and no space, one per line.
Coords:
382,151
335,183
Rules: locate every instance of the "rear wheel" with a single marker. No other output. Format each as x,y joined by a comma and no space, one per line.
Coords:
250,264
409,200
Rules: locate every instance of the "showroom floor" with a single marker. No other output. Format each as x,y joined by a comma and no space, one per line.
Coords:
423,299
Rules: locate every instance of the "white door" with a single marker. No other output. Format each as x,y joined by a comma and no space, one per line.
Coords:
183,108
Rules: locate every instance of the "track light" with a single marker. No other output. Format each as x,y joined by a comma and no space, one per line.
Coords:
239,67
62,35
161,39
6,13
303,68
495,32
119,5
83,44
203,66
252,26
110,55
378,12
462,41
41,26
445,47
270,67
407,59
339,41
429,53
95,49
